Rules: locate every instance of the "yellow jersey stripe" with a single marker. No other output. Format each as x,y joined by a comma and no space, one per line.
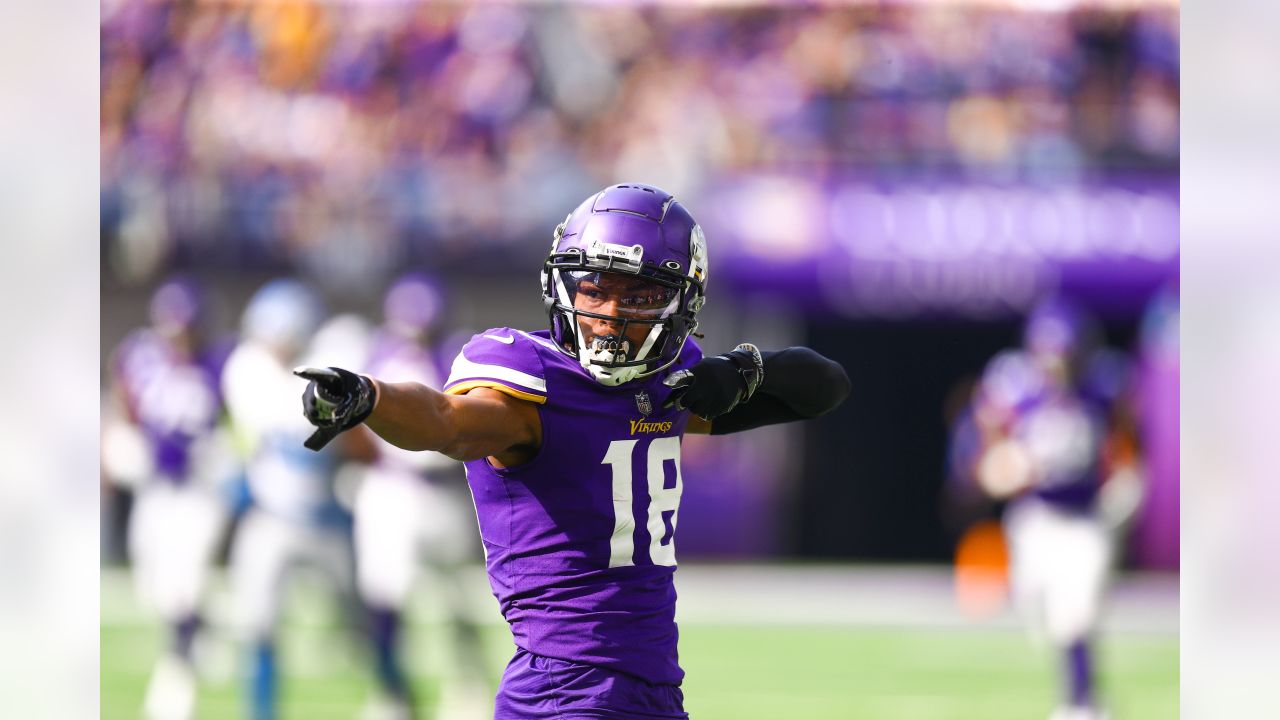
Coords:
463,387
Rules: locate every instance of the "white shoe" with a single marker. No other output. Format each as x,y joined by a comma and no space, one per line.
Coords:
171,693
1076,712
381,707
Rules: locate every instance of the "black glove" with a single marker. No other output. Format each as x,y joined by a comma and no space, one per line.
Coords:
716,385
335,400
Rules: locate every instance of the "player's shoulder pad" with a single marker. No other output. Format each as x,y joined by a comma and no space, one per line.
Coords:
1012,379
506,360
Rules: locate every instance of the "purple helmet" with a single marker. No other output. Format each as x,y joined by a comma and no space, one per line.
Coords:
177,307
1058,334
624,282
413,306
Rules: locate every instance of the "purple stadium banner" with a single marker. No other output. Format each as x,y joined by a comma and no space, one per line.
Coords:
866,249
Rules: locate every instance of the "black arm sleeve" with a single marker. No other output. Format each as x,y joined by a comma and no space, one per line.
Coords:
798,384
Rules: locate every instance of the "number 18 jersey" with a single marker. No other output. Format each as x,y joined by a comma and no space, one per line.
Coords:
580,540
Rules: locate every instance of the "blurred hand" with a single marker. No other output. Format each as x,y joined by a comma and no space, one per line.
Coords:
716,385
1005,469
334,400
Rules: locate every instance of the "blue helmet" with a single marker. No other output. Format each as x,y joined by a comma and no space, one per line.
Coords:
283,314
1159,330
624,282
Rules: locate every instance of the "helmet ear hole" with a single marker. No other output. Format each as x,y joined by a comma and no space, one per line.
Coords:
672,265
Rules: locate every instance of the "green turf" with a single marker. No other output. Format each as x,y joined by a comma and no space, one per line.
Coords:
845,672
735,672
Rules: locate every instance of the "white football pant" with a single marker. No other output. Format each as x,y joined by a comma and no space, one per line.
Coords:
1058,564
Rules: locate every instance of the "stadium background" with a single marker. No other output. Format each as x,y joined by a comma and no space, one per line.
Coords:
893,185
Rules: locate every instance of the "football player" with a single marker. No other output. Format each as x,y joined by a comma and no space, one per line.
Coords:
411,509
294,515
1054,445
164,426
571,440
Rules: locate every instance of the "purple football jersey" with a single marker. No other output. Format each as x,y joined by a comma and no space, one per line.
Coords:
174,399
580,541
1063,435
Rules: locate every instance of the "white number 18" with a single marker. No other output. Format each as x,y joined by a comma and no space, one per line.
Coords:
664,504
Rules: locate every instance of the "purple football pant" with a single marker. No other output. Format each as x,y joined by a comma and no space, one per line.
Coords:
537,688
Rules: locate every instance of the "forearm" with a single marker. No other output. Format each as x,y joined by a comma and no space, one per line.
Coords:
412,416
804,381
481,423
798,384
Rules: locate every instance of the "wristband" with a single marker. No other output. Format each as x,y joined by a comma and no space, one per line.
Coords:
750,364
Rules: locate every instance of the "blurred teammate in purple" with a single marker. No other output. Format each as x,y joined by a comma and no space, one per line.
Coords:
164,429
571,439
1050,431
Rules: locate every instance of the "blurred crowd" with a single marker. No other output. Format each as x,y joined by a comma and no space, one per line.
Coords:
344,138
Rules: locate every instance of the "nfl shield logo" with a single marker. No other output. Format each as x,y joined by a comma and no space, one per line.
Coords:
642,403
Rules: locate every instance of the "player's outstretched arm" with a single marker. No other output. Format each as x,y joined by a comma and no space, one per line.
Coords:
413,416
746,389
482,423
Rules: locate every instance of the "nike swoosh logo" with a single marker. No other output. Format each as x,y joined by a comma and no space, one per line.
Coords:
504,340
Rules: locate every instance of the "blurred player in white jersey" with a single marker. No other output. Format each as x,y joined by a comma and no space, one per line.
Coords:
413,510
1054,441
163,433
294,517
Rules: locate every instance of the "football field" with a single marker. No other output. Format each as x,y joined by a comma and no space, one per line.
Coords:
757,644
